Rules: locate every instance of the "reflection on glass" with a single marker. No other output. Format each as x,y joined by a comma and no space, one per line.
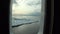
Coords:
26,16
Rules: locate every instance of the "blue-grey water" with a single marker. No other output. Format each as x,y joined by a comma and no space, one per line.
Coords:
28,28
24,19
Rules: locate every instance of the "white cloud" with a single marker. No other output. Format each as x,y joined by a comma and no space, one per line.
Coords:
23,8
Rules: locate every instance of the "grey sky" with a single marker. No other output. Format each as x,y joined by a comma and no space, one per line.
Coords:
27,6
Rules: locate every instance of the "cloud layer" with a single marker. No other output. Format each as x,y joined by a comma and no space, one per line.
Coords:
26,7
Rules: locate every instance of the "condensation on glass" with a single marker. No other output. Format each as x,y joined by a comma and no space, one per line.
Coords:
27,16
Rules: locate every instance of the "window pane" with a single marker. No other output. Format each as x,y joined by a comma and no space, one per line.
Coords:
27,17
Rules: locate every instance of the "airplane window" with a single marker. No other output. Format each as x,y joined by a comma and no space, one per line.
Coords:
27,17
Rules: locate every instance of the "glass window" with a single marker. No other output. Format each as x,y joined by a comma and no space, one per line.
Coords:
27,16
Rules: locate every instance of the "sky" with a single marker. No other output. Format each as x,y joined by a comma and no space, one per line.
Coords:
30,7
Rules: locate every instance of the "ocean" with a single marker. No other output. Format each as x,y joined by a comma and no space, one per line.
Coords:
34,28
16,20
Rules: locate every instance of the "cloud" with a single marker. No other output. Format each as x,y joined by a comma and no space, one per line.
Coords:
14,1
36,2
24,8
35,14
